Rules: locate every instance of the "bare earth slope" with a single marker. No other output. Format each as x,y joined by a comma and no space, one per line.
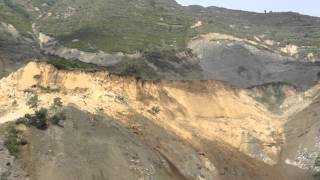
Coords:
187,129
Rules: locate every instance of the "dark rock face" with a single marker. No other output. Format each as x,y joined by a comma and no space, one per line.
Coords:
243,67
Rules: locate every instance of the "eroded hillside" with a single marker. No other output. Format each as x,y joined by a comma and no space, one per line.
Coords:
192,129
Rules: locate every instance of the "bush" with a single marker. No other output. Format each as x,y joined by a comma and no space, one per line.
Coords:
57,118
39,120
156,109
33,101
57,103
22,120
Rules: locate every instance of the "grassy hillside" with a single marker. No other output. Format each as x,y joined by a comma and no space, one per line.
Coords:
135,25
15,14
129,26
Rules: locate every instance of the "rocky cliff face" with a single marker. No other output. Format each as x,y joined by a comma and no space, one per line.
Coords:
214,120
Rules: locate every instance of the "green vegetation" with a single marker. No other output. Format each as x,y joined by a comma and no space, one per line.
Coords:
133,67
317,162
29,90
17,8
121,99
15,14
152,63
33,101
13,140
155,110
63,64
49,89
57,103
57,118
131,26
272,96
41,117
38,119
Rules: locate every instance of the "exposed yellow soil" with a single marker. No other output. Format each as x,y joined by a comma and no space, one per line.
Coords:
208,110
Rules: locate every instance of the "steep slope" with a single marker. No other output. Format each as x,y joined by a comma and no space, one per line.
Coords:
197,113
302,132
99,148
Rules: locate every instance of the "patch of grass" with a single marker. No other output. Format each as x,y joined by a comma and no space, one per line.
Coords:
49,89
130,26
12,140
